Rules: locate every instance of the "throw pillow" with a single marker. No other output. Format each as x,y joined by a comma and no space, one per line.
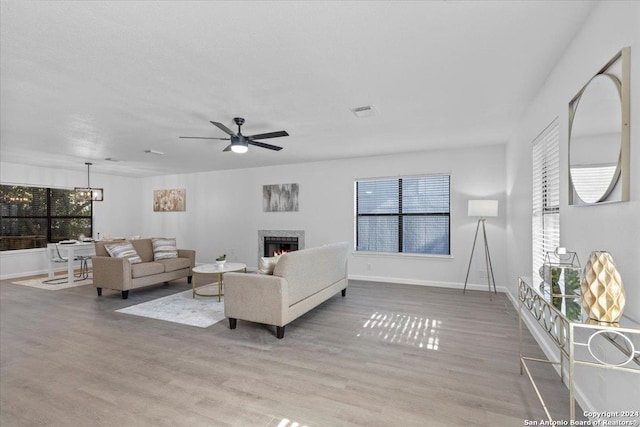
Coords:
164,248
267,264
124,250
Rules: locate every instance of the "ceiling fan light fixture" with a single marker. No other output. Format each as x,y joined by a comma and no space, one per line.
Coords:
239,148
239,142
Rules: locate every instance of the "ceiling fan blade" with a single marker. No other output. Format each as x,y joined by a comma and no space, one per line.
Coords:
228,148
223,128
270,135
263,145
203,137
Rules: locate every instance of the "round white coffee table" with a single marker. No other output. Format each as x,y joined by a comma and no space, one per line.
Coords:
215,269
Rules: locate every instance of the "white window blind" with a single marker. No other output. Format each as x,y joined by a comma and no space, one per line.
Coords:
546,194
403,215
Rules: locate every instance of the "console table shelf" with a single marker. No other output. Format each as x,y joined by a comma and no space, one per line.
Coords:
578,339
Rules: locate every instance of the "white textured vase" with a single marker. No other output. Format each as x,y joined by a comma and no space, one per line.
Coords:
602,289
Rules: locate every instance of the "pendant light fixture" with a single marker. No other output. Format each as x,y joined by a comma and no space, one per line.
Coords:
93,194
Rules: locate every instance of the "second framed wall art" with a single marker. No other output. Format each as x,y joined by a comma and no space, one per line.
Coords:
280,198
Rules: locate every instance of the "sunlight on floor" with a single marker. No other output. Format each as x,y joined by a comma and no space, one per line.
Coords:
287,423
403,329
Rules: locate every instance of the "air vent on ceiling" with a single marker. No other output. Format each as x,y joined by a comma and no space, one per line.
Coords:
111,159
159,153
364,111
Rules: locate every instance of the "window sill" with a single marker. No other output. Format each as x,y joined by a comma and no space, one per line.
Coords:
22,251
401,255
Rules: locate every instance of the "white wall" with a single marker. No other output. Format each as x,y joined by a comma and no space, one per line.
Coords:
224,211
613,227
117,214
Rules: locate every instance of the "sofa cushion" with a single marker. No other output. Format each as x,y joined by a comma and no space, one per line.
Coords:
146,269
144,247
267,264
100,250
164,248
123,250
174,264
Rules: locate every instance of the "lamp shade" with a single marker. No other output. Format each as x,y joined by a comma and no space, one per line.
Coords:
483,208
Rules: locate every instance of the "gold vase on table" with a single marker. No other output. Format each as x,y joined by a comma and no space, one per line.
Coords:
602,289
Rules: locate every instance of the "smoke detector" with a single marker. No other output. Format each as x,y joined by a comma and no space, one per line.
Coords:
364,111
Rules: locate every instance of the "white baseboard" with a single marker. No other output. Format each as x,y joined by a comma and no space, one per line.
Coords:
453,285
551,352
29,273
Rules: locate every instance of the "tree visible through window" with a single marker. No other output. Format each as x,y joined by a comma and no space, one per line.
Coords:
31,217
403,215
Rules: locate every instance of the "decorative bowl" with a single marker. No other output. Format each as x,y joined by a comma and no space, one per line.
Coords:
220,263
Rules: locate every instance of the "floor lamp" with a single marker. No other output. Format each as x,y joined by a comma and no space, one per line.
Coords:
483,209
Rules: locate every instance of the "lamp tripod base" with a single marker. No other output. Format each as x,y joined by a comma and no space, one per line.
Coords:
487,258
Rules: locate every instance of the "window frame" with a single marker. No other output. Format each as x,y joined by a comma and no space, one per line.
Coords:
401,215
50,216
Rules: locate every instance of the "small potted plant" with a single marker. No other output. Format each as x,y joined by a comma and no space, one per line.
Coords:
221,260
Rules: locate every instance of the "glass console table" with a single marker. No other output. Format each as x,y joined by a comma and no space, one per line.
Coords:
579,340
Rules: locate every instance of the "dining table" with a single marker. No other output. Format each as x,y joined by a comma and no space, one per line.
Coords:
69,250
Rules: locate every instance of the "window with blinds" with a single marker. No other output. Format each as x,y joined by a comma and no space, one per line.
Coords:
403,215
546,194
31,217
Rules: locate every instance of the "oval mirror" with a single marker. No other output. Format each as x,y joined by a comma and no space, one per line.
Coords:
596,139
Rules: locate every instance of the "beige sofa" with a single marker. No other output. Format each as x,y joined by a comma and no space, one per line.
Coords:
119,274
301,281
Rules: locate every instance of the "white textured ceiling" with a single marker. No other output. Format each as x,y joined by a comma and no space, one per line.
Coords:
84,81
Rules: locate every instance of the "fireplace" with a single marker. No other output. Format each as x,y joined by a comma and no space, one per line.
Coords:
270,241
274,245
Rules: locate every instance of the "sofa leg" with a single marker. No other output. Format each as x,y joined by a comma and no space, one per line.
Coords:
125,294
232,323
189,279
166,283
344,292
99,291
280,332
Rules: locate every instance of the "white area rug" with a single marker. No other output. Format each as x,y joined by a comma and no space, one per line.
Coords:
37,283
182,308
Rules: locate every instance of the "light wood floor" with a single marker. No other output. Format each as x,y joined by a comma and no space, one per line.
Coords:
385,355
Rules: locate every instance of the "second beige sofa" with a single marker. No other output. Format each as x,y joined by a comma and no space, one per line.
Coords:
301,280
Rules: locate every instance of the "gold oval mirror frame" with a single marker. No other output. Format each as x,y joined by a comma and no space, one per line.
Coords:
599,136
596,138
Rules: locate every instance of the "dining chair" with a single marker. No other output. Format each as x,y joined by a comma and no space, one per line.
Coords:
56,257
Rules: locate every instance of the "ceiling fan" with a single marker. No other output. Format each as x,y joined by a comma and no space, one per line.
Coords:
239,142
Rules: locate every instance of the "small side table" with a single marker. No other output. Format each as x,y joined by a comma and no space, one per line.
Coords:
215,269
